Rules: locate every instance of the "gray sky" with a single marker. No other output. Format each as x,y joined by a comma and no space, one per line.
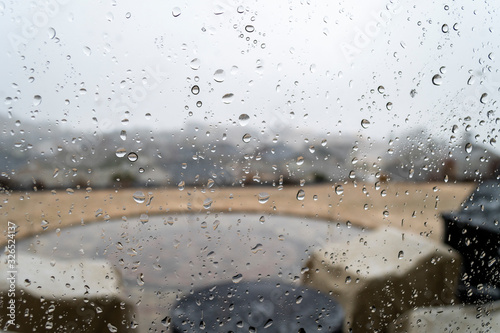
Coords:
286,64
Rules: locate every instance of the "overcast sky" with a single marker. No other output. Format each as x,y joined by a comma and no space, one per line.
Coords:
107,64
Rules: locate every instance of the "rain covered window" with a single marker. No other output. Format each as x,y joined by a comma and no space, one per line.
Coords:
244,166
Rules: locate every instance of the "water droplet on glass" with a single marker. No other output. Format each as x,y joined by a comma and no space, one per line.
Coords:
263,197
37,99
246,138
256,248
139,197
401,254
471,80
244,119
144,218
339,189
249,28
301,194
365,123
44,224
169,221
128,15
227,98
123,136
70,190
354,160
468,147
207,203
445,28
140,279
219,75
240,9
385,213
388,106
195,90
112,328
87,51
381,89
132,157
268,323
237,278
262,219
148,116
215,225
484,98
195,63
176,11
166,321
120,152
437,80
348,280
52,33
300,160
181,185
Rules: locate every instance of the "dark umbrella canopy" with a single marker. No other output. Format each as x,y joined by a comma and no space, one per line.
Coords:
255,306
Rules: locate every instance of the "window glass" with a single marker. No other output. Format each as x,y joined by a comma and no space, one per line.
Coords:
149,151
